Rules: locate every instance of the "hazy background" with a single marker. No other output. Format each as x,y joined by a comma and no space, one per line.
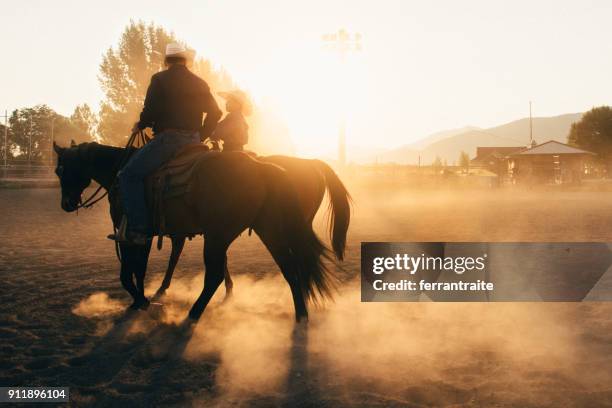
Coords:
425,66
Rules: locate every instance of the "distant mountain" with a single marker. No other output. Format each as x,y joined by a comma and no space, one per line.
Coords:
443,134
404,154
448,144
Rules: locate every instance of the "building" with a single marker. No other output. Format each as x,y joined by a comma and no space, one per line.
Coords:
494,159
549,163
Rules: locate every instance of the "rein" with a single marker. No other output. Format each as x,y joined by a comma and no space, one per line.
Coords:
91,200
89,203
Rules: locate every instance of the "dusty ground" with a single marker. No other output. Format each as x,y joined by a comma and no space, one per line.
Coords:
62,321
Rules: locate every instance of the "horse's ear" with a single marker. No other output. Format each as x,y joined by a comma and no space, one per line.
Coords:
57,149
72,143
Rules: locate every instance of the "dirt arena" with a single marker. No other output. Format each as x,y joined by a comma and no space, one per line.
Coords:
62,320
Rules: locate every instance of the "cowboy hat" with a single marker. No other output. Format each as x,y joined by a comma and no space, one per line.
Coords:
240,97
176,50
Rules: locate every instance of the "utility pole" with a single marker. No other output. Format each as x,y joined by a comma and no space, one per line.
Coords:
531,144
5,141
343,43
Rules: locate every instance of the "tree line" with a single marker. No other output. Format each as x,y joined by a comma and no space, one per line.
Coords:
30,131
124,75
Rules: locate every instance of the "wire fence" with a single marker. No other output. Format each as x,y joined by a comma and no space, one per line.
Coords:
20,170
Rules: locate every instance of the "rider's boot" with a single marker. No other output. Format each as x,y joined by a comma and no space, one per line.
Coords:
123,235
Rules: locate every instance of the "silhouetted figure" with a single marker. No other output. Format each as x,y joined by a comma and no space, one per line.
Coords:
233,130
174,106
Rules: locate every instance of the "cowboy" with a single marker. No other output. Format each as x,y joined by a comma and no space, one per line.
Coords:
233,129
174,106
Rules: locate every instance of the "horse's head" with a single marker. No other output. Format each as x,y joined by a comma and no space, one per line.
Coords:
72,170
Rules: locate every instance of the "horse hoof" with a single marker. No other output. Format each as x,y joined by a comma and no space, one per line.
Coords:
301,320
141,304
145,304
159,294
187,325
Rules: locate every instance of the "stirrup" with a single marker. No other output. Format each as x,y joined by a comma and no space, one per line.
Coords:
133,238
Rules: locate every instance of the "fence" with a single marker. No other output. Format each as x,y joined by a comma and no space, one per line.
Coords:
25,171
24,175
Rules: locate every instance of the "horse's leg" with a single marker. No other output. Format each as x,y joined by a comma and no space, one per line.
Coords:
178,243
126,278
131,261
283,256
140,272
215,256
281,253
229,284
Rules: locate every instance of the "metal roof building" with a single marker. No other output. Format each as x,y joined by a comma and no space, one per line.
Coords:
550,162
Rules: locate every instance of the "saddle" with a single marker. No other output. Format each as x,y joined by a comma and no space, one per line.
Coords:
172,180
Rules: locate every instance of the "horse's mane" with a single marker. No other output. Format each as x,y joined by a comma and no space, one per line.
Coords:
103,160
103,156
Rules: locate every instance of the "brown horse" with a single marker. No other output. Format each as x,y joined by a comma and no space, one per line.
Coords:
310,178
230,192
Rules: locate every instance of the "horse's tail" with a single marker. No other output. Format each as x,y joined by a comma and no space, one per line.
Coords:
308,252
339,209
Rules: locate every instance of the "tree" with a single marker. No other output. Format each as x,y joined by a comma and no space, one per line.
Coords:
8,151
85,120
594,132
32,130
125,73
464,161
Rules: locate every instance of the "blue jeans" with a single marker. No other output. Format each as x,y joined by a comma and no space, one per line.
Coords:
163,147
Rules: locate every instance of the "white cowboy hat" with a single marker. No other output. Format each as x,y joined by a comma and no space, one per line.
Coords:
177,50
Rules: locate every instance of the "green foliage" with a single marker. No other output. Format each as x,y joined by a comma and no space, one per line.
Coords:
125,73
594,132
32,130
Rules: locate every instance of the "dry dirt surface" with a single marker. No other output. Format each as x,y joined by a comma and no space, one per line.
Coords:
63,319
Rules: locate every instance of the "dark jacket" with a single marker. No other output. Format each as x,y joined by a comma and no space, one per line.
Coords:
177,99
233,130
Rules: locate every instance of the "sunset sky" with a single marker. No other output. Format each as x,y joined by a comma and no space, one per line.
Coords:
425,66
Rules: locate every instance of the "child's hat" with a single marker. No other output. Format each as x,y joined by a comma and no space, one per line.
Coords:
240,97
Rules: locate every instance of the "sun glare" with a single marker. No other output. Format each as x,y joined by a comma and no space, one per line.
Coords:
316,94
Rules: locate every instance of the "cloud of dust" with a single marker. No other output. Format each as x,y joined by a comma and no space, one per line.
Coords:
250,334
497,215
98,304
399,350
420,353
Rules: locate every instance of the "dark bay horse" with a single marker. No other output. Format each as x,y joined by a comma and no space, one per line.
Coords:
311,178
229,193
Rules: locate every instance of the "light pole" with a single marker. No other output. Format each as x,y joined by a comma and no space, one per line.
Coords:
343,43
